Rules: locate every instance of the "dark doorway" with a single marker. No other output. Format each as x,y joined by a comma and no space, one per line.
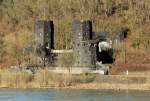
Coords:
106,56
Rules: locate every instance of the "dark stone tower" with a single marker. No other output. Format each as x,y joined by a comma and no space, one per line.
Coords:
84,51
45,33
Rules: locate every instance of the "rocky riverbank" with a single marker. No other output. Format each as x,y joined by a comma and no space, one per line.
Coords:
112,86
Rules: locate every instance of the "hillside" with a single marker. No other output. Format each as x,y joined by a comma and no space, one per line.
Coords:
17,18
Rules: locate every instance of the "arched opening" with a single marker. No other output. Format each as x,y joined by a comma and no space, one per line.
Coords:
105,56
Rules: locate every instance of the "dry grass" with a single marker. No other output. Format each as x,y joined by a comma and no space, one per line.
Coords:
112,86
17,23
41,79
47,79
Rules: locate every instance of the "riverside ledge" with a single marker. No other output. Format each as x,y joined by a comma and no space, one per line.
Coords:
90,86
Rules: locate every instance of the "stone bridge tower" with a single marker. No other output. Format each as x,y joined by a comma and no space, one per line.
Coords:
84,51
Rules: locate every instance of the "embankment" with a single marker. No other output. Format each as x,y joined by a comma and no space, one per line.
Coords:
46,79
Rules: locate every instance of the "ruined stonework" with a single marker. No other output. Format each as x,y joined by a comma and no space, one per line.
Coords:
44,33
86,45
84,51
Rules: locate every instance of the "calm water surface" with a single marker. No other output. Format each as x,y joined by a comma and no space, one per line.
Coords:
72,95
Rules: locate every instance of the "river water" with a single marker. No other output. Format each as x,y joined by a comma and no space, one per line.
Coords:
72,95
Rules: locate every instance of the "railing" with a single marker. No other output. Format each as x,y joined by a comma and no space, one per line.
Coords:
62,51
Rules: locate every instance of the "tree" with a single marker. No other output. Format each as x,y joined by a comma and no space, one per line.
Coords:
66,60
2,46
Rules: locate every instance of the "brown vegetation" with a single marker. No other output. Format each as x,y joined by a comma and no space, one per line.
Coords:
47,79
17,18
112,86
41,79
